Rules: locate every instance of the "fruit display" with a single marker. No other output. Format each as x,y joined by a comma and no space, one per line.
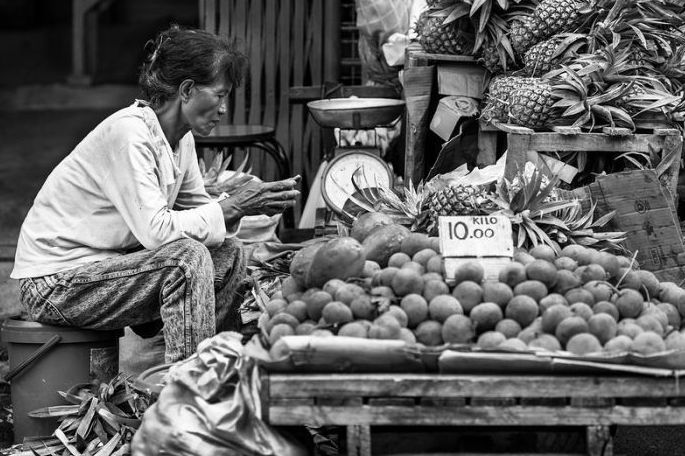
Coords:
578,300
581,63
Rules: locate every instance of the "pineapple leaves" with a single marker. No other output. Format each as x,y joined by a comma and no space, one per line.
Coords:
452,14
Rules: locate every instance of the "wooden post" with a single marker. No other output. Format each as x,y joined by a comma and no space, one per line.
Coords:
331,39
81,25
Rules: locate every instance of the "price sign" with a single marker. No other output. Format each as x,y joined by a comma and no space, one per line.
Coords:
487,239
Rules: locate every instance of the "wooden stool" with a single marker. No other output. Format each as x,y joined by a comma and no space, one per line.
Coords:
251,136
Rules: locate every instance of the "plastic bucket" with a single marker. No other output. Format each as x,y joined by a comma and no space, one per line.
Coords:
53,358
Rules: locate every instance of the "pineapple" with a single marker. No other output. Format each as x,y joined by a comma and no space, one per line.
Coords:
549,18
457,200
439,38
497,101
549,54
531,105
521,34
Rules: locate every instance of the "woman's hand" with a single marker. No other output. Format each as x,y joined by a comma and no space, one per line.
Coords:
256,198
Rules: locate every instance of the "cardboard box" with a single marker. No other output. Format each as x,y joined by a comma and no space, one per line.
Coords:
450,109
465,79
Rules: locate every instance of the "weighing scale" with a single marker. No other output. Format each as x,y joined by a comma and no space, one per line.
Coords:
366,161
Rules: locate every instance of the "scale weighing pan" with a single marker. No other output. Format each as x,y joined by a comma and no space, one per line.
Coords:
356,113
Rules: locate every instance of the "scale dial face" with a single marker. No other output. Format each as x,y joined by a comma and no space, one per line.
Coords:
336,184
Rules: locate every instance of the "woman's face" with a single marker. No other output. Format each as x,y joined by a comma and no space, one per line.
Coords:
205,106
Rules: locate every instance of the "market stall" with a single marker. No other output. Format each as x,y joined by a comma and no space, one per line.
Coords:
525,270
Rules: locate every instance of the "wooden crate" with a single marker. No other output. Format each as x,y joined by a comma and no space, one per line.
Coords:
362,401
521,142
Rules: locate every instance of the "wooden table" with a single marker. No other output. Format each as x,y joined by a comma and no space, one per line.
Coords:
360,401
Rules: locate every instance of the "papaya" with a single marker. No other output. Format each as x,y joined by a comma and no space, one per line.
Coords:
299,265
339,258
382,242
366,222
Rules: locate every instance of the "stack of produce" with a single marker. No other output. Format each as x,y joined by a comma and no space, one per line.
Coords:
391,285
531,201
583,63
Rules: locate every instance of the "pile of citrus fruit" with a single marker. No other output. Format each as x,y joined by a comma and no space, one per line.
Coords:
579,299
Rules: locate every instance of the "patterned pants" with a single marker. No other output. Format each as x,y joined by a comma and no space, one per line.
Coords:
194,291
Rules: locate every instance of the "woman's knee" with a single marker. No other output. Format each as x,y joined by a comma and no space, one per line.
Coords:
191,252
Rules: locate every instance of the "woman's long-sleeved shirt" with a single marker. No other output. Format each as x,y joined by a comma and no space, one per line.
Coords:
121,187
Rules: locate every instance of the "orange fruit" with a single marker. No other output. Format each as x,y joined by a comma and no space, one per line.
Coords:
457,329
513,344
297,309
566,280
363,308
603,327
629,303
281,318
485,316
531,288
386,276
606,307
648,343
433,288
564,262
416,308
347,293
442,306
279,331
429,333
543,252
579,295
510,328
332,286
469,294
414,243
581,309
523,309
469,270
546,342
414,266
577,252
630,328
543,271
497,292
593,272
583,344
397,260
512,274
650,323
354,329
422,256
550,300
619,344
608,262
436,264
398,314
490,340
336,312
275,306
553,316
569,327
407,335
407,281
305,328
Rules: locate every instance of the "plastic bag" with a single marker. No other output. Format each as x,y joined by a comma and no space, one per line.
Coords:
382,18
211,407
